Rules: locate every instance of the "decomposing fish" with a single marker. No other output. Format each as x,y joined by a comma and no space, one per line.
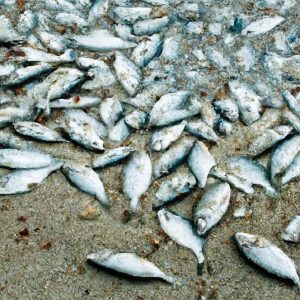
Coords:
136,119
23,181
181,231
111,156
130,15
201,161
228,109
128,263
110,111
38,131
87,180
8,34
269,138
212,206
292,120
292,171
54,42
292,231
137,178
266,255
292,103
120,132
150,26
163,138
202,130
173,156
9,140
70,20
80,101
27,22
10,115
179,185
22,159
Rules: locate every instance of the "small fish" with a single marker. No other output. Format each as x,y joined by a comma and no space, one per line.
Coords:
200,162
136,119
174,156
266,255
171,48
292,231
293,120
9,140
202,130
102,40
23,181
97,10
212,206
124,32
208,113
248,101
269,138
127,73
53,42
130,15
181,231
292,172
110,111
128,263
80,101
21,159
245,58
9,115
38,131
28,20
228,109
87,180
262,25
282,156
8,35
81,130
70,20
137,175
112,156
224,126
179,185
163,138
146,50
217,58
292,102
150,26
120,132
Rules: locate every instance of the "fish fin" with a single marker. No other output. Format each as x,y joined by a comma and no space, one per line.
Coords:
168,278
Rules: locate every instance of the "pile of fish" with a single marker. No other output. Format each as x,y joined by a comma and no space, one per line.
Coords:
183,72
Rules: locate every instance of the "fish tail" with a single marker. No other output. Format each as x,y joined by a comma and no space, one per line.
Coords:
169,279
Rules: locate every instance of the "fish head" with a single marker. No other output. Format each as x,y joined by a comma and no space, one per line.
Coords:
248,241
201,226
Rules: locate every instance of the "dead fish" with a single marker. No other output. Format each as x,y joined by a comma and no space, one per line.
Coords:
102,40
38,131
146,50
127,73
282,156
292,172
228,109
70,20
293,120
23,181
248,101
81,130
124,32
223,126
53,42
217,58
179,185
262,25
9,140
201,129
292,102
128,263
87,63
292,231
87,180
9,115
99,78
163,138
80,101
269,138
212,206
150,26
136,119
266,255
22,159
246,58
181,231
112,156
130,15
8,35
97,10
110,111
120,132
171,48
208,113
28,20
137,178
173,157
200,162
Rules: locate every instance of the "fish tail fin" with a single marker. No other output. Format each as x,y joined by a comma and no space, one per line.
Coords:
200,264
168,278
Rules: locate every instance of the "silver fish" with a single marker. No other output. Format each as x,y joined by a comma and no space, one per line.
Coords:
80,101
120,132
292,102
292,172
23,181
136,119
151,26
130,15
100,78
228,109
53,42
110,111
174,156
202,130
38,131
21,159
102,40
127,73
269,138
266,255
128,263
111,156
70,20
224,126
201,161
27,22
179,185
212,206
137,178
9,140
13,114
181,231
292,231
293,120
283,156
171,48
87,180
7,32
